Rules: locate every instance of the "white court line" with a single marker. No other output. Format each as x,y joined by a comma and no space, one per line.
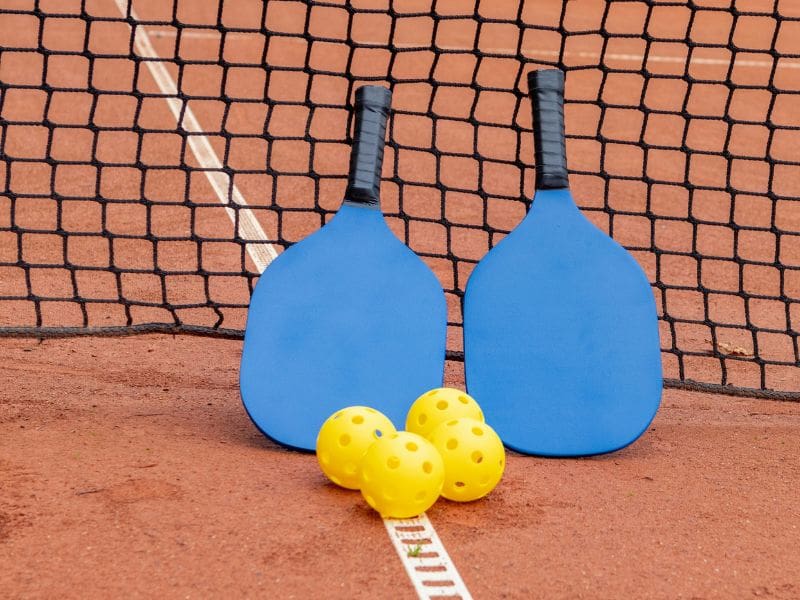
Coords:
759,64
425,559
442,579
662,59
249,227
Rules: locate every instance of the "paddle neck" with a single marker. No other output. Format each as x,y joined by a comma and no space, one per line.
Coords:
366,157
546,88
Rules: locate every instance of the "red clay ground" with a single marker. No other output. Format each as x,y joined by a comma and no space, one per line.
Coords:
128,467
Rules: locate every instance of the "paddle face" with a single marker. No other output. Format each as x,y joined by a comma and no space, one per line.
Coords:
349,316
561,342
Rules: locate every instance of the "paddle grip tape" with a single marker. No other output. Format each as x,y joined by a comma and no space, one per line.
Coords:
366,157
547,98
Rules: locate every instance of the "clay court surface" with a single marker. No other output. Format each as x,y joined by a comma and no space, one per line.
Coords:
128,468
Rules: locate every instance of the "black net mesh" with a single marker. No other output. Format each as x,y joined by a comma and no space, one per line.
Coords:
157,154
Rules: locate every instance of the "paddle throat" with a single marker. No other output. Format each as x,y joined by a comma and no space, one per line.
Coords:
555,198
373,204
359,210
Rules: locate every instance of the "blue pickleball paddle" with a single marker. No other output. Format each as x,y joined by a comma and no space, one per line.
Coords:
561,345
348,316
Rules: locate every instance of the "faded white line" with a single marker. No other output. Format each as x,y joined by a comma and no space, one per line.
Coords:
249,227
791,62
664,59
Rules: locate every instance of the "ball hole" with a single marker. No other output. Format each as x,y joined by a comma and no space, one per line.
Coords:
412,447
477,457
370,500
485,480
344,439
377,434
393,462
394,436
338,414
358,420
419,496
477,431
427,467
422,419
463,399
388,493
429,394
460,484
351,468
325,458
452,423
336,480
366,475
500,462
371,410
441,405
452,444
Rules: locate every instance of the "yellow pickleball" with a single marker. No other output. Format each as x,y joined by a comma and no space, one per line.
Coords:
439,405
344,438
401,475
473,455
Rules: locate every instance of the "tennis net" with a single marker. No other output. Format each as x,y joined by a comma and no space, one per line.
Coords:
157,155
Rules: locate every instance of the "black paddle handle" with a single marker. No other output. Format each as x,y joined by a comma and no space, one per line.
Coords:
366,157
546,88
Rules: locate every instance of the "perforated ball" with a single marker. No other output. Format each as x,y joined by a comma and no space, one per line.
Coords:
344,438
473,455
439,405
401,475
